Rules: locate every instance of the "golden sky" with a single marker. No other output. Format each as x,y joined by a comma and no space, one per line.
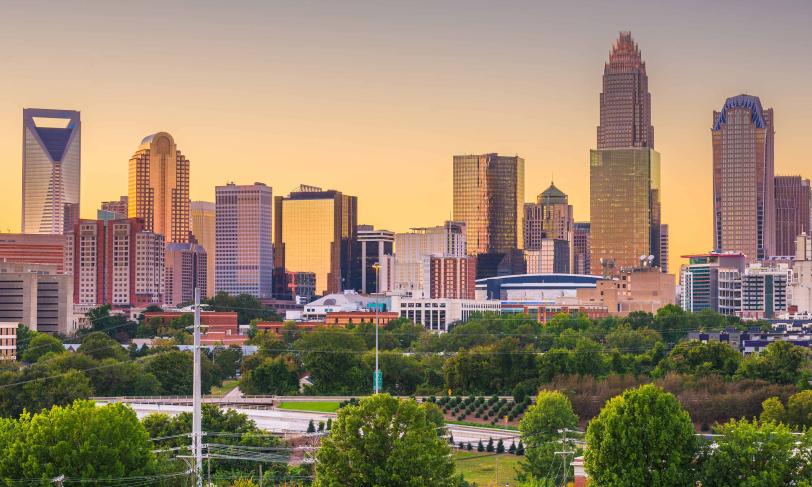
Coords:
374,98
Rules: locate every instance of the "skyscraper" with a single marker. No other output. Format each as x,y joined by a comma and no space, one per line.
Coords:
489,199
581,261
550,217
186,270
664,237
413,249
52,148
743,178
159,187
203,225
316,231
625,168
792,194
244,247
375,246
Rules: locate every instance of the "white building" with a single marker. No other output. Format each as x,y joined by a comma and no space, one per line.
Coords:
348,301
439,314
801,284
413,249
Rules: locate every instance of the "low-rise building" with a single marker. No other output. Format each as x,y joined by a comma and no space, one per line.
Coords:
37,296
359,317
643,289
440,314
543,312
8,341
533,287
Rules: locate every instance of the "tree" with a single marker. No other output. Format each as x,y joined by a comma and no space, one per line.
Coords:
500,446
41,386
384,441
40,345
753,454
489,447
80,441
24,336
311,428
333,359
773,411
799,409
781,363
698,358
540,430
248,307
228,361
173,369
480,447
275,375
100,346
642,437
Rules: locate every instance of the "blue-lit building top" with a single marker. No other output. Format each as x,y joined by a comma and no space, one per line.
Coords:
533,287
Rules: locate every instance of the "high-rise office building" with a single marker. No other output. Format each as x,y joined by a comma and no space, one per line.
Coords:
625,168
117,262
52,158
550,217
743,178
552,257
489,199
581,261
664,242
159,187
113,210
203,229
186,269
792,215
243,245
413,247
375,245
316,231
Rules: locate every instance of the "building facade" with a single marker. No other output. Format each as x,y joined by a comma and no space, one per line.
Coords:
316,231
743,178
489,199
375,245
550,217
243,239
581,252
625,168
34,249
36,296
113,210
792,195
158,190
664,243
451,277
413,247
117,262
552,256
186,268
712,281
764,291
203,224
52,159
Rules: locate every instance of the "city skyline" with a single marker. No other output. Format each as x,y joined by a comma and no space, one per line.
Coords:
551,104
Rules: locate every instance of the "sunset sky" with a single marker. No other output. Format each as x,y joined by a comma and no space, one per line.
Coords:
374,98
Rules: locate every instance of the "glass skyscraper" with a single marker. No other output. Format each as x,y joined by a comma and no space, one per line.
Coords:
744,178
159,187
316,231
792,195
52,141
625,168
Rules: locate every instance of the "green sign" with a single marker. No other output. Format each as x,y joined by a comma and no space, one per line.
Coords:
377,380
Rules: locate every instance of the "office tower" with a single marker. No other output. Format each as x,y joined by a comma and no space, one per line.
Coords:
792,215
186,269
712,281
316,231
34,249
550,217
764,290
243,245
581,262
375,246
411,249
113,210
451,277
625,168
664,237
117,262
552,257
489,199
36,296
743,178
298,286
52,160
203,228
159,187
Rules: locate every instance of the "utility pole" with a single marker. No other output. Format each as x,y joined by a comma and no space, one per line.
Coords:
377,384
197,429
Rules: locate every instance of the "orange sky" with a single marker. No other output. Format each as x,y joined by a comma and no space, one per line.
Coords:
375,99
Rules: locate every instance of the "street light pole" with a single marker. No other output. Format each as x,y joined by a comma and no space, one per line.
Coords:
377,379
197,433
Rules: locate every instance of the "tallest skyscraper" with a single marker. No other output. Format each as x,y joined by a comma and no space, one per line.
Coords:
625,168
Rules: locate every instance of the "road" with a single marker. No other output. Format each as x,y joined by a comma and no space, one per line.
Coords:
285,421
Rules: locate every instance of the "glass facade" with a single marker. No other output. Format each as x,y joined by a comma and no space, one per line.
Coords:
158,190
743,178
316,232
51,170
624,207
489,199
792,196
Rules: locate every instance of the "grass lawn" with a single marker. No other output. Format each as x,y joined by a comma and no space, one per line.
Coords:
227,386
315,406
481,467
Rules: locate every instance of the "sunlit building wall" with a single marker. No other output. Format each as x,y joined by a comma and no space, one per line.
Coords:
412,249
158,189
203,228
316,231
52,141
792,196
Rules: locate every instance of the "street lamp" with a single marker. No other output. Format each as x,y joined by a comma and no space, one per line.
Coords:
376,381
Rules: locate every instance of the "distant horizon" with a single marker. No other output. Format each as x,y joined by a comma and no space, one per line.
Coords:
375,100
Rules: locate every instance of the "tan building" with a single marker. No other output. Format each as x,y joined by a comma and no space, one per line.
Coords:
35,249
203,228
641,289
158,189
36,296
185,270
8,341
